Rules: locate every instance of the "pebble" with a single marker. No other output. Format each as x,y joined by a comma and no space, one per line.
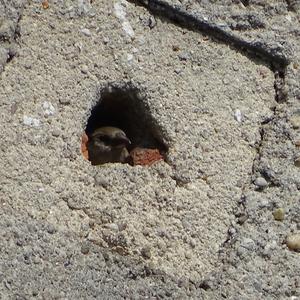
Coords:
105,40
45,4
248,244
4,56
192,243
184,56
297,143
28,65
235,67
84,69
91,223
112,226
122,226
64,101
278,214
85,248
7,29
129,57
101,181
295,121
152,22
178,71
293,241
49,109
56,133
146,252
29,121
86,32
238,116
260,182
51,229
297,162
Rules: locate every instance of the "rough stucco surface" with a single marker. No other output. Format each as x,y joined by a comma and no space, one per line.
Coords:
195,226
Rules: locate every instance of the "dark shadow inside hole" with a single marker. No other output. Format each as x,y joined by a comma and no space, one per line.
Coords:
123,108
245,2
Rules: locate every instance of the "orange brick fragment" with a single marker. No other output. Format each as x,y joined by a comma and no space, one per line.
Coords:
84,149
45,4
145,156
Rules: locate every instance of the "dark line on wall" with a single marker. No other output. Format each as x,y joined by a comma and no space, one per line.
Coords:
193,22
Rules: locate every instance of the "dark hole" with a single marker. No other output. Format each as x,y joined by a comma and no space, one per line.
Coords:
245,2
122,107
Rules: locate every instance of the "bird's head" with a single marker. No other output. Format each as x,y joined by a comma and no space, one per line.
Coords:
111,137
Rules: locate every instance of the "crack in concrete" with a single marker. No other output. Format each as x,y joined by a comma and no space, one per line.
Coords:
184,19
276,59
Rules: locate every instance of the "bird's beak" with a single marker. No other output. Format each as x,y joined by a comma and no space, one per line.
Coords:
127,141
124,141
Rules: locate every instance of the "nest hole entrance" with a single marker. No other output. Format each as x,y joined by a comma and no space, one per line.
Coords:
123,108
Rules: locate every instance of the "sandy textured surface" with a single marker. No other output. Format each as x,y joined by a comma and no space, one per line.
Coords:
204,223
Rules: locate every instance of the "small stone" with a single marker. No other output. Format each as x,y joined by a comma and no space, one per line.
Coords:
207,284
235,67
51,229
248,244
72,204
226,81
84,69
297,162
146,252
14,108
112,226
91,223
297,143
49,109
29,121
192,243
4,56
7,29
122,226
85,248
238,116
86,32
152,22
28,65
293,241
178,70
295,121
184,56
278,214
64,101
129,57
146,232
260,182
105,40
242,219
56,133
175,48
45,4
101,181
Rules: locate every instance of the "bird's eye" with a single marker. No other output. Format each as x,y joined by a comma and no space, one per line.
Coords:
104,138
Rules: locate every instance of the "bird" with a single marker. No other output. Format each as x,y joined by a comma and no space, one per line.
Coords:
108,145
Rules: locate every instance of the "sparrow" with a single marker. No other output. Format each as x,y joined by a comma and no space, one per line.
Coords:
108,145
